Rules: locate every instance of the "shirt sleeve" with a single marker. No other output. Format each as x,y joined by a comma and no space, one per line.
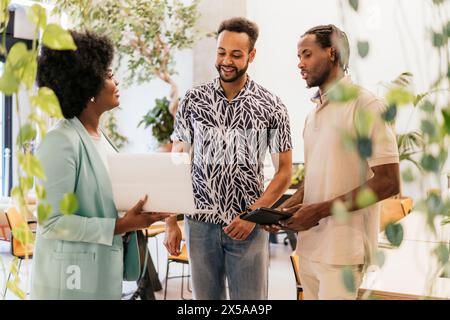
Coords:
383,137
280,131
183,129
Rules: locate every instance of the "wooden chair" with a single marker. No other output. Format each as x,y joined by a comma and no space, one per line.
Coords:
392,210
295,261
183,259
19,249
152,232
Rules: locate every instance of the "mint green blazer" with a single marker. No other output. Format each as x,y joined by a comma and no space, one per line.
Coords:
76,256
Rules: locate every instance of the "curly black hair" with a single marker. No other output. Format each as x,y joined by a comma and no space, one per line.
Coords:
76,76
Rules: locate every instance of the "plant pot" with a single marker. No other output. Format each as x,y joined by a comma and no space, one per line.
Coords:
165,147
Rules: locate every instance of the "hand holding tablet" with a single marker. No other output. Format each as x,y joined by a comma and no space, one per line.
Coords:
265,216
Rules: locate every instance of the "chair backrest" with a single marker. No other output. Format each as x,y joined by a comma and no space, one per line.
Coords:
18,224
393,210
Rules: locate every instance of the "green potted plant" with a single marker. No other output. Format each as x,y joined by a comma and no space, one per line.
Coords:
160,119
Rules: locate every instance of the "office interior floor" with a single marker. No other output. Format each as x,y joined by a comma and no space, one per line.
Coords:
281,276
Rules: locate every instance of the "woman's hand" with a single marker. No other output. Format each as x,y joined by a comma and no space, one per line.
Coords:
136,219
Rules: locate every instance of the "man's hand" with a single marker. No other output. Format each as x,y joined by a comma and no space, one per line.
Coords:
305,217
239,229
172,240
277,227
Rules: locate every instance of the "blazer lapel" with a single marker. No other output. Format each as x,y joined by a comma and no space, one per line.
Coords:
100,172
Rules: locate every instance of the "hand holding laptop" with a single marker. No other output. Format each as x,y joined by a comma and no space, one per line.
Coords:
135,218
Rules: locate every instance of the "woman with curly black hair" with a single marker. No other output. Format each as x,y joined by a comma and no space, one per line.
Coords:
80,256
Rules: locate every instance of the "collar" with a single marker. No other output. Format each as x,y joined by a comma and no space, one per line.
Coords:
321,99
245,91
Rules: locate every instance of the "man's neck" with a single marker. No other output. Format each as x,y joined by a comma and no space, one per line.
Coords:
335,75
232,88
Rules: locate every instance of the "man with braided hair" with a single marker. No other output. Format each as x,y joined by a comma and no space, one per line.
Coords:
326,244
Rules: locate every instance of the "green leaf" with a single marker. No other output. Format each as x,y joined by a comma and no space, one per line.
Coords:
16,193
57,38
394,233
427,107
33,117
37,15
442,253
29,73
399,96
342,92
354,4
363,48
365,198
69,204
23,234
18,56
26,183
428,127
44,210
447,29
348,278
364,147
389,114
41,193
26,134
446,116
31,165
340,212
13,286
439,39
9,82
48,102
429,163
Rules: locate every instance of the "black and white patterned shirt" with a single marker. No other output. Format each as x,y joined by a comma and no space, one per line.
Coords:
230,141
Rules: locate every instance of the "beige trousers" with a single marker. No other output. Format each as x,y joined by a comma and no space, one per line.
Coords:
322,281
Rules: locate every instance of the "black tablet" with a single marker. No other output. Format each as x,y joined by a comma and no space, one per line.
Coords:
265,216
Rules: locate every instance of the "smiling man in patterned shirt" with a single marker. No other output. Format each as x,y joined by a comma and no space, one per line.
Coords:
230,123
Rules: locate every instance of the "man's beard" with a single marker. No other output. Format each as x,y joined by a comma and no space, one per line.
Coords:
239,73
317,82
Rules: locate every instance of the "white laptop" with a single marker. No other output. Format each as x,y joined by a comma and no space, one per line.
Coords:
164,177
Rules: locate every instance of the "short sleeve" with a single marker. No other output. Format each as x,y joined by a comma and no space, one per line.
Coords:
384,140
183,130
280,131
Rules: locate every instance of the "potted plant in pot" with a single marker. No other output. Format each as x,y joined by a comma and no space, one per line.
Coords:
160,119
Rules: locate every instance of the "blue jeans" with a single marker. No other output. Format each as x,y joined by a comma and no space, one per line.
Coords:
214,257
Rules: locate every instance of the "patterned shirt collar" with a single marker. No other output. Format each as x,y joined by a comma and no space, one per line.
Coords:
245,91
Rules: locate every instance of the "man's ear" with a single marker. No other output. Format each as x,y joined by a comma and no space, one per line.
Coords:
252,55
332,54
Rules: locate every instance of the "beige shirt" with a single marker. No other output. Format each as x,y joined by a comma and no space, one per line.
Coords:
332,170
